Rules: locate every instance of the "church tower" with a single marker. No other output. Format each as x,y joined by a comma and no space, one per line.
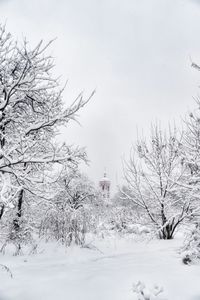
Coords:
104,185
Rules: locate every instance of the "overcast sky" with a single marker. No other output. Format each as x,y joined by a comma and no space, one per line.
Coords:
135,53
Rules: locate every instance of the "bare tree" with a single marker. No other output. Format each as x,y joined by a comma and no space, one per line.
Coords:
191,158
155,177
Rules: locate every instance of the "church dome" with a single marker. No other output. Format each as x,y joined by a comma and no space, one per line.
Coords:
105,179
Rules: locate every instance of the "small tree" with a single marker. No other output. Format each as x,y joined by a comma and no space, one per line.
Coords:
154,175
70,215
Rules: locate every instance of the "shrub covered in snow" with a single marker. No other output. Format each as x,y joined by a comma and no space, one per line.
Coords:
69,217
18,231
5,268
143,293
123,219
191,248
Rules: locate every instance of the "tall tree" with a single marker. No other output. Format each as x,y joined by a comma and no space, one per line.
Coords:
31,111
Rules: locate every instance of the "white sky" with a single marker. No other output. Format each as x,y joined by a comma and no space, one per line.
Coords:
136,53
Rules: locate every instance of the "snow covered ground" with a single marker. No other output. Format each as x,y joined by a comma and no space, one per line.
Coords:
104,274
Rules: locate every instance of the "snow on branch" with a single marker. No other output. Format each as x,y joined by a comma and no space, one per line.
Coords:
32,109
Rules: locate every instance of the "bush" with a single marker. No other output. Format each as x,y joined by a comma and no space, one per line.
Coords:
143,293
191,248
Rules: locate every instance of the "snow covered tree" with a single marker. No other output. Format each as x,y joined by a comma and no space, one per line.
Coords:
31,111
191,158
154,175
69,216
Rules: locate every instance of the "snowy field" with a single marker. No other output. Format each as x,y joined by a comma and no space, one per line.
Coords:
106,273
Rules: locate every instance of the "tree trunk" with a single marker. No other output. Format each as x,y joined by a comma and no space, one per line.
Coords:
167,231
2,210
16,221
2,144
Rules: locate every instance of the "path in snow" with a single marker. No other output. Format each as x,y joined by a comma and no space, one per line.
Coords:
82,274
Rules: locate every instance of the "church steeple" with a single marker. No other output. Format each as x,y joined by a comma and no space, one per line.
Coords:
104,184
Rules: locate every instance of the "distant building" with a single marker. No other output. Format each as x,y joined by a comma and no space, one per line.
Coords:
104,185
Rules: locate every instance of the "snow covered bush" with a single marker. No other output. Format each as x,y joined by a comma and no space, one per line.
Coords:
124,221
143,293
6,269
118,219
69,217
124,215
191,248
